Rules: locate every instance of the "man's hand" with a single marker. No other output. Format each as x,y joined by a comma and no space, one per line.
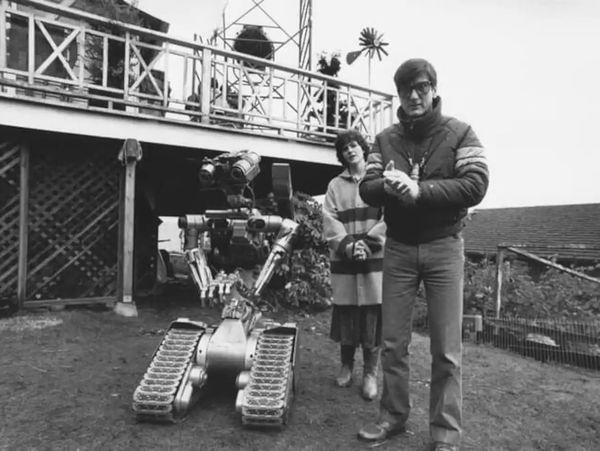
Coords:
399,184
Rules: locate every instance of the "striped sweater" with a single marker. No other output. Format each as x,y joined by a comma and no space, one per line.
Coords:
346,219
453,175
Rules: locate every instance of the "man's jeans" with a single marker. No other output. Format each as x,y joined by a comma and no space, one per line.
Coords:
440,265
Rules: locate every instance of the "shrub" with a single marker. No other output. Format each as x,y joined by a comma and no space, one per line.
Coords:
309,283
307,273
554,294
479,285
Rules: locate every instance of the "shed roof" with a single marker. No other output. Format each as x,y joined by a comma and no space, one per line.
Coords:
569,232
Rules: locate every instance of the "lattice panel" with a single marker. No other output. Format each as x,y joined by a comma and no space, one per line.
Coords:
10,158
73,224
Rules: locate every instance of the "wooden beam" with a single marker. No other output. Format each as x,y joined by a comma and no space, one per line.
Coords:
109,301
67,3
23,227
36,114
552,264
550,247
130,154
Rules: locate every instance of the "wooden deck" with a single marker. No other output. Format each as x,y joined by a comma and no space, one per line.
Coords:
73,218
57,72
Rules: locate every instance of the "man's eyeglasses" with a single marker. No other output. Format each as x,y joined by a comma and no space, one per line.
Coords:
422,88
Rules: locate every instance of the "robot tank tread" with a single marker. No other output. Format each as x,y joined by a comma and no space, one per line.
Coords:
174,378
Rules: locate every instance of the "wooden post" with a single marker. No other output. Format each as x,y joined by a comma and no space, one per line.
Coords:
31,50
3,34
130,154
499,275
205,86
23,227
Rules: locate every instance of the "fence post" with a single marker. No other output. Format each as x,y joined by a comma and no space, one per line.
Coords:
499,276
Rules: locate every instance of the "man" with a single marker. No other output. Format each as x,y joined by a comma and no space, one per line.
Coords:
425,171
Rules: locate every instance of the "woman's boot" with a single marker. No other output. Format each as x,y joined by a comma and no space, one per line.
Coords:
371,361
344,378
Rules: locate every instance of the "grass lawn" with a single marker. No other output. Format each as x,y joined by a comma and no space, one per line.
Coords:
67,379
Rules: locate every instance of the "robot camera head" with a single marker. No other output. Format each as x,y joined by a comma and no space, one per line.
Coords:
236,168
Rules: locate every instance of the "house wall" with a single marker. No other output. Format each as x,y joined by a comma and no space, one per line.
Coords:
73,219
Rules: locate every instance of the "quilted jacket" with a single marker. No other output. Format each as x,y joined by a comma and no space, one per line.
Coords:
453,175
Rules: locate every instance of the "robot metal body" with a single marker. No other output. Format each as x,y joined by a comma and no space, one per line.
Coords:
221,245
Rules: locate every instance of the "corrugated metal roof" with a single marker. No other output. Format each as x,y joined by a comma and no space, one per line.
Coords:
544,229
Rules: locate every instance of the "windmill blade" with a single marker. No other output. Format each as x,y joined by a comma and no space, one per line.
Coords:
367,36
351,56
372,43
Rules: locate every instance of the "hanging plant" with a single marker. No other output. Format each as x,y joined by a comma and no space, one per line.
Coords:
337,109
329,64
253,40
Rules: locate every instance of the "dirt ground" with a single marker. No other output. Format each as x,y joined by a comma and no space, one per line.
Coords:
67,378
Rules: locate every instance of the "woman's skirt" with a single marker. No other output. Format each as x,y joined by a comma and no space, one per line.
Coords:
353,325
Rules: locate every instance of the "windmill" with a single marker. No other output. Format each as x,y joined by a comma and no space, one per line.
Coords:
372,43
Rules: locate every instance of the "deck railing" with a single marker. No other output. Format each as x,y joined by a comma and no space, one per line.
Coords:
57,54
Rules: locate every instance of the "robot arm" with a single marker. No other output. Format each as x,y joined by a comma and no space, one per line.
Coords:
197,225
282,247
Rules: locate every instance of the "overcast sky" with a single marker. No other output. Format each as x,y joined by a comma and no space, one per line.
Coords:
523,73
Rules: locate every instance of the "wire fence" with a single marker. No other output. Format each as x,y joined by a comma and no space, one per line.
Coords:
570,341
573,341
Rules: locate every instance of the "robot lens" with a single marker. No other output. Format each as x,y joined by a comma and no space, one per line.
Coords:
207,174
246,168
238,171
258,224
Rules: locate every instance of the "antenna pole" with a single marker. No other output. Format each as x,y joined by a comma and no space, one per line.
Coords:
370,58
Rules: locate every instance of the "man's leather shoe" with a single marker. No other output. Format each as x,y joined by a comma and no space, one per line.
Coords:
381,430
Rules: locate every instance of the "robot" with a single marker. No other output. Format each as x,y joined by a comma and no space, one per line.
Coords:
222,246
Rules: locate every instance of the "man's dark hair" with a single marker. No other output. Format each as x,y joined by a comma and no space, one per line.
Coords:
410,69
342,140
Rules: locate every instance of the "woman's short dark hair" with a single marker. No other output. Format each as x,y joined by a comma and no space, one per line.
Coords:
344,138
410,69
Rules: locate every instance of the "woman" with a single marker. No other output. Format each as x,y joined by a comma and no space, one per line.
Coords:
355,234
